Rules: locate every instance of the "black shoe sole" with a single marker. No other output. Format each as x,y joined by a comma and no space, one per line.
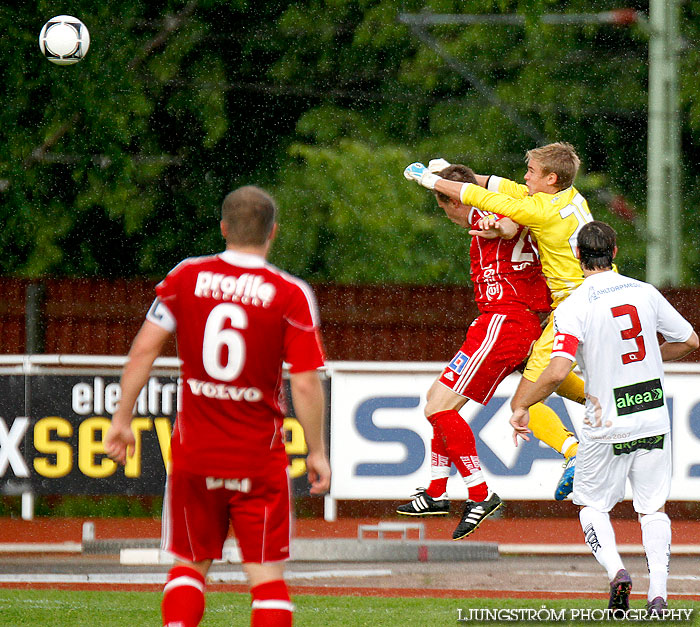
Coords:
422,513
495,509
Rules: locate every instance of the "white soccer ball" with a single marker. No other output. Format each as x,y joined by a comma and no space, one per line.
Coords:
64,40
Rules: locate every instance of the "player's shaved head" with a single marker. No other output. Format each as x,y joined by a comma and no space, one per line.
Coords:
249,213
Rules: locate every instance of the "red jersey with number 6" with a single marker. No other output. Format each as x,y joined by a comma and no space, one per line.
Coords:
506,273
237,319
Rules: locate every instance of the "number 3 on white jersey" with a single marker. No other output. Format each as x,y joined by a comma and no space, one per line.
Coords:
575,208
216,337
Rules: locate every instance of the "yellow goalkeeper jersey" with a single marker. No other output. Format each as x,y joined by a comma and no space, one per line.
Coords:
554,220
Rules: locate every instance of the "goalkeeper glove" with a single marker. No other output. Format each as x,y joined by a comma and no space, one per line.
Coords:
419,173
438,165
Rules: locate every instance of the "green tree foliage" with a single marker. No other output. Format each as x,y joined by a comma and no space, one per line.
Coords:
117,166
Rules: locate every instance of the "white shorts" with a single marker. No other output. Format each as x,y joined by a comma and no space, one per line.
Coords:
601,476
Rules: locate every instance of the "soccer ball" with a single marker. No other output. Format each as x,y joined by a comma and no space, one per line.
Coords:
64,40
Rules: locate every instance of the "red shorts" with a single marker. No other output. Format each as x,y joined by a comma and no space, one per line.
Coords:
496,344
197,511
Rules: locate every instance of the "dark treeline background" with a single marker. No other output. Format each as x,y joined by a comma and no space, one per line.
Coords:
117,166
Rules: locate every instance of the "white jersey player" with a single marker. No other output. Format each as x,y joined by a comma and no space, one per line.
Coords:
609,325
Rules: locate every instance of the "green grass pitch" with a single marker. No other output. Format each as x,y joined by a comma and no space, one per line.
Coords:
65,608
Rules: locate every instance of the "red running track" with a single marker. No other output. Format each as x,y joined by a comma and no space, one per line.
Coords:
501,530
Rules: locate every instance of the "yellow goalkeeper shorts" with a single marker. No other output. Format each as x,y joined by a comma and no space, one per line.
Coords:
541,352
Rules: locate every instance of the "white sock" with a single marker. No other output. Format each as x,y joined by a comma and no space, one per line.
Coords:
567,444
474,479
600,538
439,466
656,537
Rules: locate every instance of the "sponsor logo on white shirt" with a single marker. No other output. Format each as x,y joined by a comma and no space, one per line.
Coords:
594,293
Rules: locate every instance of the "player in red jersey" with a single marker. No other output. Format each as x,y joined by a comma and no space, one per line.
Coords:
236,319
510,292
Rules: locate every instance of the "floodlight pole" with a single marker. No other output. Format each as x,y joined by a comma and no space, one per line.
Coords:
663,147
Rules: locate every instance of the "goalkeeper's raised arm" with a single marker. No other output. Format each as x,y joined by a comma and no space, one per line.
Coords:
549,179
438,165
474,194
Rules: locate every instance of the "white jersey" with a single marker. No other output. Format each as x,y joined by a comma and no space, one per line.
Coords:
609,325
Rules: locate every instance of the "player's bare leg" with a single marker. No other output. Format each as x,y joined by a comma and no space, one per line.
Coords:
441,398
183,594
271,604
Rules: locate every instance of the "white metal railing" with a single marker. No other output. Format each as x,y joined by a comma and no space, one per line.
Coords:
28,364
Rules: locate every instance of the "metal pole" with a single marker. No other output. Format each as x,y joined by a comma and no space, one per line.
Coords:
34,319
33,343
663,147
27,506
330,509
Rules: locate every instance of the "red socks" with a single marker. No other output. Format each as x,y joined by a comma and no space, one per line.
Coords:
460,446
271,605
183,601
479,492
183,597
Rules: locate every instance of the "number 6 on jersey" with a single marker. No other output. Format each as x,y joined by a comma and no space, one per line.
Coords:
216,338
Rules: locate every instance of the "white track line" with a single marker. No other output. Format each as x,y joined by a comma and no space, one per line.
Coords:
159,578
597,574
582,549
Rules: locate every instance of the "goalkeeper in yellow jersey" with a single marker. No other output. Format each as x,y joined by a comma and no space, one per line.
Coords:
554,211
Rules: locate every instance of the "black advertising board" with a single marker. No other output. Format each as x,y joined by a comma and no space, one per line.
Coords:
52,427
71,414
